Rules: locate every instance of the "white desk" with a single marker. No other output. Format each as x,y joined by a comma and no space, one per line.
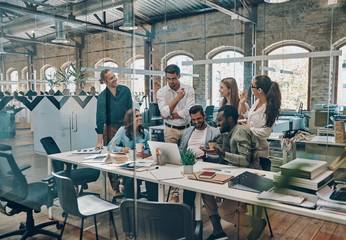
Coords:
201,187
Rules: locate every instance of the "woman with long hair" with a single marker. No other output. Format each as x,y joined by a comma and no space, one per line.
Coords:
230,94
263,113
125,143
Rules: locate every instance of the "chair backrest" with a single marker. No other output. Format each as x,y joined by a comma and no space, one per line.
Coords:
67,194
51,147
209,110
13,185
265,164
157,220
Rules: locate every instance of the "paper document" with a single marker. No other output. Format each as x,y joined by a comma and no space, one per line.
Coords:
162,174
270,195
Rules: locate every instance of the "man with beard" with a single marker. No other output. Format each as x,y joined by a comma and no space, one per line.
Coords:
237,145
174,100
193,138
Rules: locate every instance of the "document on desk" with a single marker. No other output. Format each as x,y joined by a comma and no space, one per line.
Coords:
96,158
163,174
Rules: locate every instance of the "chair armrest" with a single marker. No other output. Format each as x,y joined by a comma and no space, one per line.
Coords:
21,168
198,234
50,177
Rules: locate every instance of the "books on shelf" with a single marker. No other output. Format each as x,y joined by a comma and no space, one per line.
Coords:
304,168
312,184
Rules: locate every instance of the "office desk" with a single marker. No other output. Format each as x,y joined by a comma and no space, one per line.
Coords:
201,187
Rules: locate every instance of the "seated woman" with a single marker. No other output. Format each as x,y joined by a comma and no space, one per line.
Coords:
125,137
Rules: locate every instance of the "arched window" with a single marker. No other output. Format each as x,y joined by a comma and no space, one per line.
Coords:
224,70
14,78
292,76
177,60
139,86
50,74
341,94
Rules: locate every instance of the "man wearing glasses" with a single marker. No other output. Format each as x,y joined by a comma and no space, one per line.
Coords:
174,100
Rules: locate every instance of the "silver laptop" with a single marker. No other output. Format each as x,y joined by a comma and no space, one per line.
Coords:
170,150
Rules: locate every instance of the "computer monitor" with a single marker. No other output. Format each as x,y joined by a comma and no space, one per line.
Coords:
170,150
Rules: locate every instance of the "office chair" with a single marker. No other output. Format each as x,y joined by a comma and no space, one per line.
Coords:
21,196
159,220
80,177
84,206
209,111
5,148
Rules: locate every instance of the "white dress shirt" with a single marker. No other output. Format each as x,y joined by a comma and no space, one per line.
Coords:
257,121
196,140
165,96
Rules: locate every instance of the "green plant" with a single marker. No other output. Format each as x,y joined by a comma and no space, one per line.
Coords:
188,157
286,179
52,81
64,77
79,75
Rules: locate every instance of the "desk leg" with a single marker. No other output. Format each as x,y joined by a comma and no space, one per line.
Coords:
50,169
104,185
150,132
161,192
198,211
294,151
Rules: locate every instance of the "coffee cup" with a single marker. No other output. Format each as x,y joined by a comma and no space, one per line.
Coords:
212,144
139,147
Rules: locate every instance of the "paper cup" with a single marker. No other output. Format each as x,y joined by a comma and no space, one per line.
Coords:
139,147
211,145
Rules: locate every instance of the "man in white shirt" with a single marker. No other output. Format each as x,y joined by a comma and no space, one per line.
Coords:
193,138
174,100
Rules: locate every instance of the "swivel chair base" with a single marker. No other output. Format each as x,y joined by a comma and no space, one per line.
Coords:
31,229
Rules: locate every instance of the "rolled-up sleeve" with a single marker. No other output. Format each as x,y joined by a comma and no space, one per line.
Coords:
161,100
119,137
100,115
190,101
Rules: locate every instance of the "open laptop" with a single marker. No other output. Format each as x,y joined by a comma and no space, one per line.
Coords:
170,150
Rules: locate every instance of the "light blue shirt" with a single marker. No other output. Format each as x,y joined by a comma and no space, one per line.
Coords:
121,133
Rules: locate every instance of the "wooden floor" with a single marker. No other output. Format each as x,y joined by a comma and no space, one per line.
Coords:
284,225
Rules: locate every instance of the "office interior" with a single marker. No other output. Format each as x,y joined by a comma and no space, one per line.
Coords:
52,53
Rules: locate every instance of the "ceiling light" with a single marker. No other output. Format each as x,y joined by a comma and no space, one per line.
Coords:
60,36
128,16
276,1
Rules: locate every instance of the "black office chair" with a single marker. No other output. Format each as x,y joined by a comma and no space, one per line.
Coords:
209,111
23,197
80,177
159,221
5,148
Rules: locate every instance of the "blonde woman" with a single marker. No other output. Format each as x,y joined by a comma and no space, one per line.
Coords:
230,94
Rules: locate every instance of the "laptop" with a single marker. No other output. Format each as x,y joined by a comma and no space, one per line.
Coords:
170,150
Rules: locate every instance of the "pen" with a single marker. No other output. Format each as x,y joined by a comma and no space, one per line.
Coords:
152,168
124,143
182,173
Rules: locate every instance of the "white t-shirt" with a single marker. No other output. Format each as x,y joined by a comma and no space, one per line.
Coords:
196,140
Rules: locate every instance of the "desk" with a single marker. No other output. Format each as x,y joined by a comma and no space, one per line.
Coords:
201,187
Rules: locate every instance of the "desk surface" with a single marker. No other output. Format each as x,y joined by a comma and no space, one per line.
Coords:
204,187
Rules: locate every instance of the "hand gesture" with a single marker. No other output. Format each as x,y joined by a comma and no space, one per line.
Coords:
181,93
214,151
125,150
98,147
245,124
243,97
200,156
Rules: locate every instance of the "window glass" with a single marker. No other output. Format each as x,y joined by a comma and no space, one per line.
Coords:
342,78
177,60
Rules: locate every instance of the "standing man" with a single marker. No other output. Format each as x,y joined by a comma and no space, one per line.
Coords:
174,100
112,104
236,145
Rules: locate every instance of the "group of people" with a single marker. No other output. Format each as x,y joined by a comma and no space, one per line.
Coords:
239,143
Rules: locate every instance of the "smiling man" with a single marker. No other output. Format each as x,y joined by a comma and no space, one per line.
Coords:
174,100
112,104
237,146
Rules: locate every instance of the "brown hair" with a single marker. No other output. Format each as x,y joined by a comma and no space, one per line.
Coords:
103,75
128,121
273,96
231,84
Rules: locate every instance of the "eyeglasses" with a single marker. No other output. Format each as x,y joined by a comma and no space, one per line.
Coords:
252,86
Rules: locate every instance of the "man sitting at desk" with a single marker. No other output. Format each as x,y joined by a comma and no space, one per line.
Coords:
194,137
237,145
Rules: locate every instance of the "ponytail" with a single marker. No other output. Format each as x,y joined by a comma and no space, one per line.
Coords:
273,96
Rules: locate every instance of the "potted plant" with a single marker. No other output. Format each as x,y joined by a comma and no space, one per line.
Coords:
92,90
79,75
52,82
64,78
188,159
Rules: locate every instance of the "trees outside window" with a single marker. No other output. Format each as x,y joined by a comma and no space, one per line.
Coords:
294,87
